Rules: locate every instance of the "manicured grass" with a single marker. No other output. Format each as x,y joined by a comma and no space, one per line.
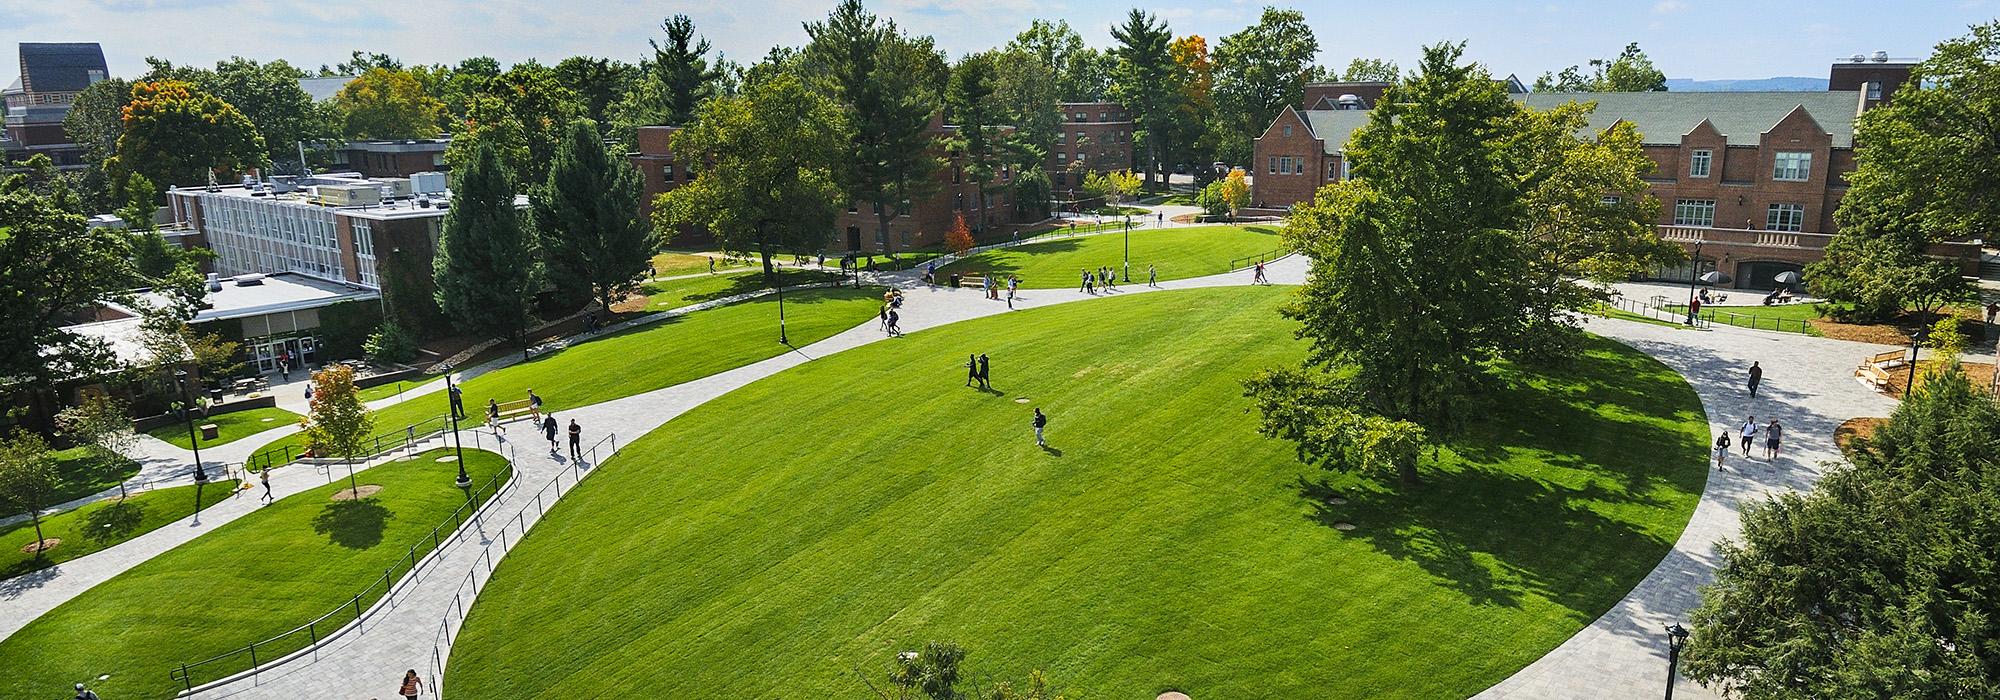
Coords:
780,540
383,391
230,426
79,473
673,294
1790,318
650,357
98,525
252,578
669,264
1609,311
1177,252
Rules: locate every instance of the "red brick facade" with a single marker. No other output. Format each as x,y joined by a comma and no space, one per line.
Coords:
1291,163
392,158
1093,137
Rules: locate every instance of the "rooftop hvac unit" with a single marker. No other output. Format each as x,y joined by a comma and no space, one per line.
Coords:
1858,58
429,183
214,282
249,280
350,195
396,186
1880,57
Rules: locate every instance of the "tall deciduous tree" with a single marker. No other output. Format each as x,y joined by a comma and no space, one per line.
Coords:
1415,282
543,106
386,103
177,134
596,243
1143,82
1258,71
270,96
27,479
1195,109
1631,71
890,85
1371,69
338,423
1024,90
488,122
486,269
1079,73
1880,581
770,184
1926,169
52,265
97,118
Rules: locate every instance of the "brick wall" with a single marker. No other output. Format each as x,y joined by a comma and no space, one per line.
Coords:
1274,185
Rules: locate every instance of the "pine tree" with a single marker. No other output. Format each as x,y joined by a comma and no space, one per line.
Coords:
883,78
486,268
592,236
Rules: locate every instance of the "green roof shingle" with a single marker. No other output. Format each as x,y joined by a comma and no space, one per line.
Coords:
1662,117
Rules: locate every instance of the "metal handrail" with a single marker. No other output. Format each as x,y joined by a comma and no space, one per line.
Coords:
470,585
1264,257
184,673
1656,312
395,439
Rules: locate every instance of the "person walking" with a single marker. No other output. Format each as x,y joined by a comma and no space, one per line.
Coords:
264,476
1721,447
1756,377
1012,285
1085,284
1773,435
457,402
411,685
1258,276
1041,421
971,369
493,418
83,693
1694,310
549,427
534,406
1152,276
1749,435
711,266
884,315
575,440
986,377
895,330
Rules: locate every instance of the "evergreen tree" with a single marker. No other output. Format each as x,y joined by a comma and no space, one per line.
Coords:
890,85
587,215
486,271
1143,82
681,66
973,109
1879,583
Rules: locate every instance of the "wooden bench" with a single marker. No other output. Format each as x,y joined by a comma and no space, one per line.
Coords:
512,410
972,282
1892,358
1874,376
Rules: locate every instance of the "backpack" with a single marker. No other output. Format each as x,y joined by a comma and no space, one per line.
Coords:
1722,441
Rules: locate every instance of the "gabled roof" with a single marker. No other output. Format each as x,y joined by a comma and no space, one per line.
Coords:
61,67
1742,117
1662,117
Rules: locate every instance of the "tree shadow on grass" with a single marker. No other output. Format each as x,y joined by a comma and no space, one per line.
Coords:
114,522
357,524
747,283
997,263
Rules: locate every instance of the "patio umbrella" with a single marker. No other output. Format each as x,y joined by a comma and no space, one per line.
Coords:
1715,277
1786,277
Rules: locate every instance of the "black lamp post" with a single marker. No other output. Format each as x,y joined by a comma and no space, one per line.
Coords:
782,340
1677,637
1694,277
1128,248
458,441
1916,342
187,407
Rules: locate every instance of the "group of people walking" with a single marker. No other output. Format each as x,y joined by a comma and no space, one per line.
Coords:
547,422
1747,435
978,371
892,300
1102,279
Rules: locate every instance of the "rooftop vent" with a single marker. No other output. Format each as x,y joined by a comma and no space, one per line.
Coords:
250,280
1858,58
214,282
1880,57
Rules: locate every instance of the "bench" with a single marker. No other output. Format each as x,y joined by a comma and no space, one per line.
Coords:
1873,376
972,282
1892,358
512,410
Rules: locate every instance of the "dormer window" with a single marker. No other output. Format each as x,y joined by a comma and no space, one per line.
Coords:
1288,131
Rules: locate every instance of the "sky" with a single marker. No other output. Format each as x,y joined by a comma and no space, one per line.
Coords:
1699,39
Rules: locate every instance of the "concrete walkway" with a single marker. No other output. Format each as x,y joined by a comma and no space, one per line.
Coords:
370,662
1809,389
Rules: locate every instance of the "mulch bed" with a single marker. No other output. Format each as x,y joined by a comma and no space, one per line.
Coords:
1897,332
365,491
42,546
1863,427
1980,373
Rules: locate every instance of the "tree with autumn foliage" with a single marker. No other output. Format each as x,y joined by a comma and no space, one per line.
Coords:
959,237
176,134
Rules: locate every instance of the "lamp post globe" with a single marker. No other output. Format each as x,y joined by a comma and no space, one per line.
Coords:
1677,637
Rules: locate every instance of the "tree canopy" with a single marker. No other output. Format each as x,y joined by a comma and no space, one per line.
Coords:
177,134
1631,71
487,267
587,215
1142,80
1258,71
1078,73
890,84
387,103
53,266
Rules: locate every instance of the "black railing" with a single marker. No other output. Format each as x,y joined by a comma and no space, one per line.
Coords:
377,445
1251,260
256,655
1657,312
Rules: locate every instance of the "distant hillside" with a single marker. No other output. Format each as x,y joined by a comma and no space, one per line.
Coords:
1758,85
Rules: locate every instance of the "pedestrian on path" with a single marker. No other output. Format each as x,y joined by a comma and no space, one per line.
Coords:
534,406
575,440
895,330
1694,310
1773,434
650,272
457,402
1756,377
971,369
1083,286
411,685
1749,435
884,315
1012,286
711,266
1041,421
986,377
83,693
1721,447
265,477
1152,276
1258,277
493,418
549,427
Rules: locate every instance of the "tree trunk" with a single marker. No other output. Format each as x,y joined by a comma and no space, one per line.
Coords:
35,514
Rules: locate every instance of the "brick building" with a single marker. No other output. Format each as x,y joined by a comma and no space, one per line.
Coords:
51,76
391,158
1754,177
1093,137
918,225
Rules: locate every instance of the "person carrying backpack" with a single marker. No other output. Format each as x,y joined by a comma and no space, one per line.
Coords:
1721,447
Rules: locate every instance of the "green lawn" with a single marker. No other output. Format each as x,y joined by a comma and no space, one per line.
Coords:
254,577
674,294
79,474
670,263
231,426
1609,311
1177,252
651,357
777,541
102,524
383,391
1790,318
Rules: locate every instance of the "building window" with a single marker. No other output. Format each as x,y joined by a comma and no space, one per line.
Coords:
1694,212
958,202
1061,137
1288,131
1785,217
1792,166
1079,138
1079,156
957,176
1874,89
1699,161
1345,173
1080,116
1100,116
1332,171
1273,169
667,172
1062,155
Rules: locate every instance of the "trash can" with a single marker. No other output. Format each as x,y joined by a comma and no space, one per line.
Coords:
209,431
